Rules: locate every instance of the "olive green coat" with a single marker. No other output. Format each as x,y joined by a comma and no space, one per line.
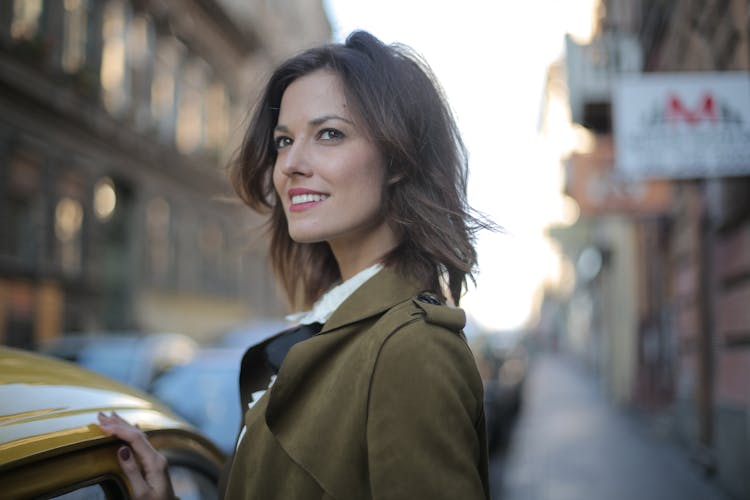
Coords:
384,403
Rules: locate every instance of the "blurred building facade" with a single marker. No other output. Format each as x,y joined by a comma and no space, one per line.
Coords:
661,301
117,120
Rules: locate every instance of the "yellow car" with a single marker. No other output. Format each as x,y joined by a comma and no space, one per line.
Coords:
51,447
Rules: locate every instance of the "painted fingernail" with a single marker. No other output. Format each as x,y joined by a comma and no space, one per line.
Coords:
124,453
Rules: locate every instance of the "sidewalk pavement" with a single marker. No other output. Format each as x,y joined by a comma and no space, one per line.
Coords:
571,443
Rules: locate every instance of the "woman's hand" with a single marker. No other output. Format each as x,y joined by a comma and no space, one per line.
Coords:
145,468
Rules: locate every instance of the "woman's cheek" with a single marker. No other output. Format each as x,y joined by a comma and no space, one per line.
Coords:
278,187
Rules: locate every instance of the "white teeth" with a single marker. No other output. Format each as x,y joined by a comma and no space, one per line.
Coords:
307,198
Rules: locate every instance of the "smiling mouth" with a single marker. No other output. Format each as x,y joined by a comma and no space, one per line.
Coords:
300,199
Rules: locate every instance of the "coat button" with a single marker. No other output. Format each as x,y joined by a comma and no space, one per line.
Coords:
428,298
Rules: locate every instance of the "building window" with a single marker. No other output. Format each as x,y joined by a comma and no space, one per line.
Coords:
74,35
187,251
211,244
26,14
190,115
217,117
163,86
68,224
114,78
140,61
22,215
139,40
211,241
158,228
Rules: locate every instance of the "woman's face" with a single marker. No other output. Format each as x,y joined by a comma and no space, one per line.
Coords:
328,174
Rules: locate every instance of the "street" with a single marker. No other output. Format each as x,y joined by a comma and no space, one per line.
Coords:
571,443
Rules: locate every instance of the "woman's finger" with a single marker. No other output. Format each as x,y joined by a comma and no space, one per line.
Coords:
145,468
133,472
135,438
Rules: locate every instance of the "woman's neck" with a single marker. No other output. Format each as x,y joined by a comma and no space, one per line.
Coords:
355,254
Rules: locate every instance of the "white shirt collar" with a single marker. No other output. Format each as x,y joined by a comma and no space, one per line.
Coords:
333,298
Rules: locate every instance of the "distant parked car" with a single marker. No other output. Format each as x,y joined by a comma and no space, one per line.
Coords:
206,393
50,446
135,359
252,332
503,362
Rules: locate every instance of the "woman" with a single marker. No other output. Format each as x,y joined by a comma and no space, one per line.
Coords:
354,151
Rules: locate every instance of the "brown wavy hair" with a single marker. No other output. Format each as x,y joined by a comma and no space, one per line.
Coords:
407,117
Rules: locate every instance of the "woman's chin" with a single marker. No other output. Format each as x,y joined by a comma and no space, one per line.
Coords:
303,237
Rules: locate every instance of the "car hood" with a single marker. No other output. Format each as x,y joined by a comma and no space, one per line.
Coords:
47,404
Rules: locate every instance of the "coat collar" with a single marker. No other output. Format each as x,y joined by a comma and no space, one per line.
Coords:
378,294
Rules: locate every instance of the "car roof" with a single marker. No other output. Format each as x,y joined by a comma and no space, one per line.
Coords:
48,404
253,332
230,355
69,345
131,357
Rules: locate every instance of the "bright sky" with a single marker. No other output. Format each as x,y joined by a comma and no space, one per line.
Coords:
491,58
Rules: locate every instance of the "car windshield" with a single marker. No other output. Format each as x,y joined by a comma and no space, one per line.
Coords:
118,359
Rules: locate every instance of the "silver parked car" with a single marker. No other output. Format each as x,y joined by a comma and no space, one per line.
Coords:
135,359
205,392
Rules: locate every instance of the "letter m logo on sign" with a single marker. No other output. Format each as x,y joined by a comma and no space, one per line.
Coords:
677,111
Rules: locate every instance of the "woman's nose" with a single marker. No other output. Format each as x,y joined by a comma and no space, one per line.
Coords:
293,161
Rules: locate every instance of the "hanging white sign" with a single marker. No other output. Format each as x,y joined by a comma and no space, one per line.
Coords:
682,125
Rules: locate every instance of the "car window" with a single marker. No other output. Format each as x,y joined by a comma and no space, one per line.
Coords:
91,492
117,360
189,484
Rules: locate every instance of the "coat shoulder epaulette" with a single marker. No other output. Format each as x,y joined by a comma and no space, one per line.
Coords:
437,313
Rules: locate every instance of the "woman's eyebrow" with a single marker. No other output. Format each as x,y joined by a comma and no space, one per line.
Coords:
315,122
322,119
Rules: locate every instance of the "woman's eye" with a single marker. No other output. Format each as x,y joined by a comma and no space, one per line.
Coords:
330,134
282,141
